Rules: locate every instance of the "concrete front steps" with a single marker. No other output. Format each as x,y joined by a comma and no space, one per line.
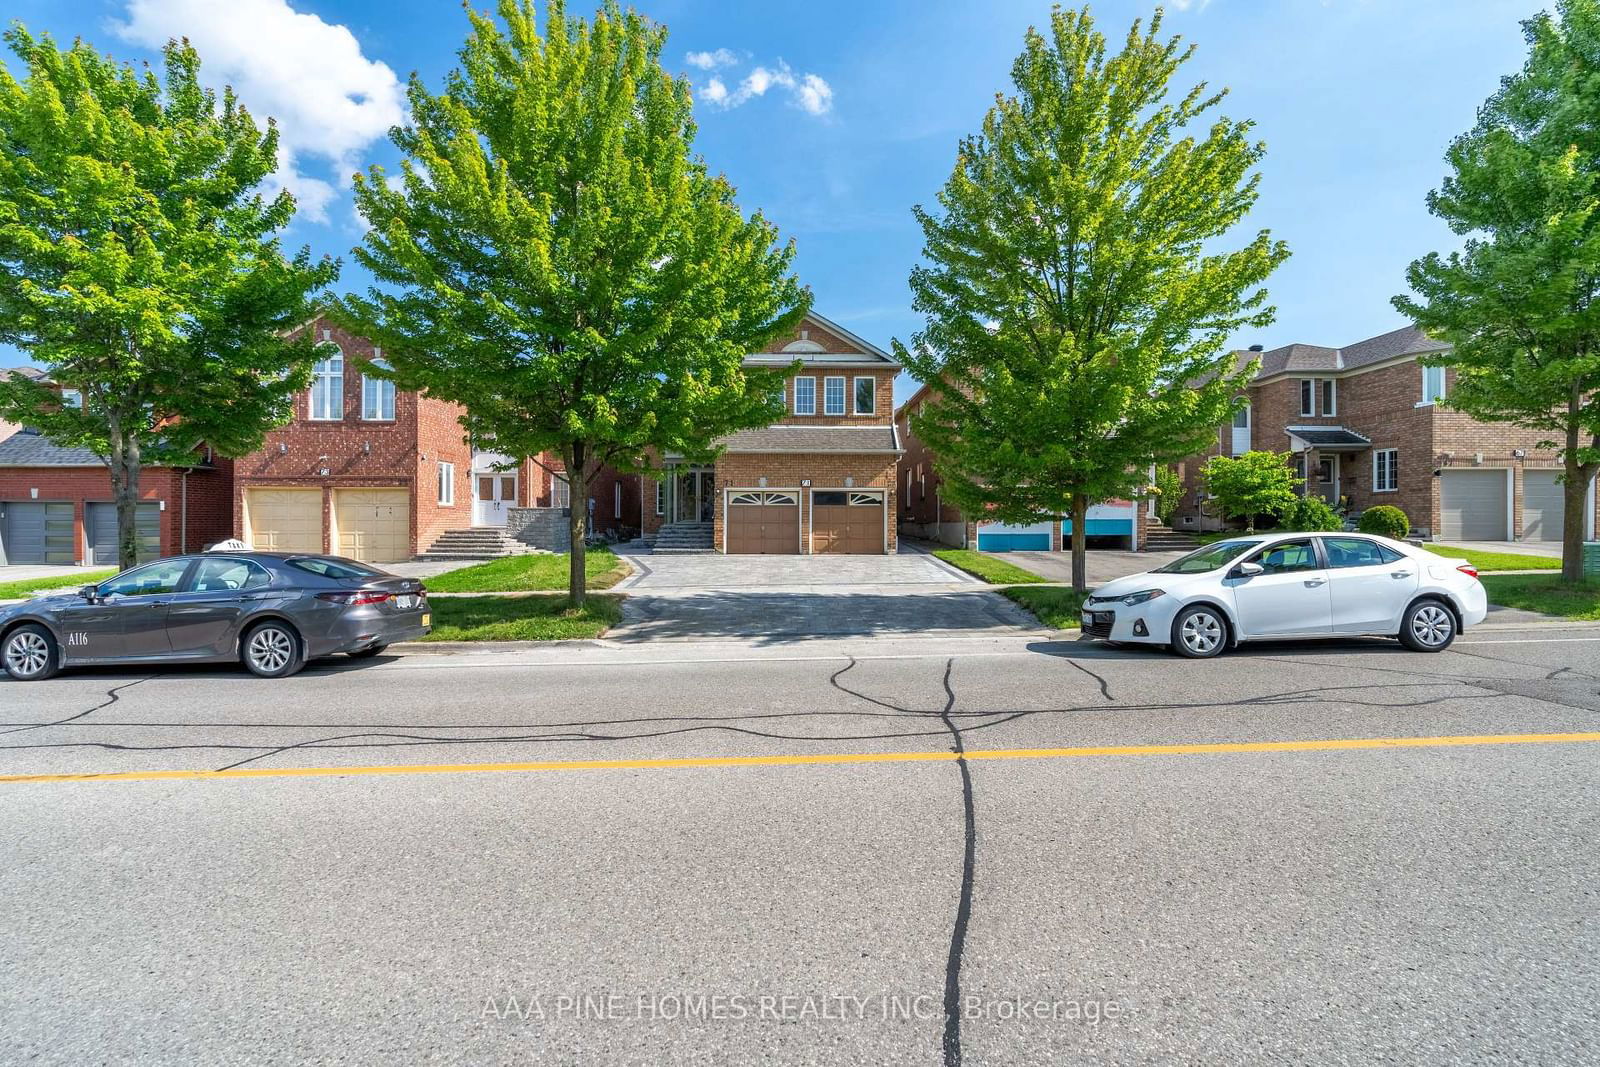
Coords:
478,542
683,539
1159,538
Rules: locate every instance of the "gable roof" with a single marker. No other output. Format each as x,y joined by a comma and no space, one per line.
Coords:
1406,341
812,352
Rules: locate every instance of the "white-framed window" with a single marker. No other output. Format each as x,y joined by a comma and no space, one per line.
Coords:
805,395
560,492
447,485
1308,397
327,387
377,394
661,496
1433,387
1241,417
1330,397
72,398
833,396
1385,470
866,395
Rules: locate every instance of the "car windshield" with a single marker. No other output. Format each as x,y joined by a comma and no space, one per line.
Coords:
329,567
1209,558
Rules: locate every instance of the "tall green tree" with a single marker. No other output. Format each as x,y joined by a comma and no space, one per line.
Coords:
558,261
1078,290
1518,301
140,264
1256,483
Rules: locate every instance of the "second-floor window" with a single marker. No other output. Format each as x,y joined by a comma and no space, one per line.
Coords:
1330,397
1432,384
1386,470
1308,396
805,396
327,387
866,395
72,398
377,395
833,396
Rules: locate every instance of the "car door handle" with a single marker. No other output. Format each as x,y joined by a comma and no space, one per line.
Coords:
1399,574
1312,583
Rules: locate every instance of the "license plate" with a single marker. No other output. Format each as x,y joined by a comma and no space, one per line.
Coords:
427,619
1088,618
405,600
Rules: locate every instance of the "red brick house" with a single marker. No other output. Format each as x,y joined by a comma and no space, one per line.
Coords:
1365,428
379,474
820,480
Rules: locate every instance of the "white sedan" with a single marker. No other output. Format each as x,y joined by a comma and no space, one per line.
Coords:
1275,586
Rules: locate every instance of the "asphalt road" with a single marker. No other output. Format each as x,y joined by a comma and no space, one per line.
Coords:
1275,888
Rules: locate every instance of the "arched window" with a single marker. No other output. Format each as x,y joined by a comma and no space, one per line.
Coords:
1241,428
377,394
327,387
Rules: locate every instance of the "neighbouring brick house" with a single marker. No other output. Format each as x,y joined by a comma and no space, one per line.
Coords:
822,479
56,505
1364,428
380,474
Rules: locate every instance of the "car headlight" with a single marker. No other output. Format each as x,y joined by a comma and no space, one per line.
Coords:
1144,596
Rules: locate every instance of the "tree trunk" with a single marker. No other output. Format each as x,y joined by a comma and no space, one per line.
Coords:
124,469
1080,543
577,459
1575,493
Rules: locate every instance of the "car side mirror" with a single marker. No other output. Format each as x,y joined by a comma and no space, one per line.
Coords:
1248,570
90,593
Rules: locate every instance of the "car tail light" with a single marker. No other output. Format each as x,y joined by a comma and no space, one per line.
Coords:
1468,569
365,596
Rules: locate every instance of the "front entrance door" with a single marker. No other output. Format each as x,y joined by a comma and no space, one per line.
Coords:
492,494
694,499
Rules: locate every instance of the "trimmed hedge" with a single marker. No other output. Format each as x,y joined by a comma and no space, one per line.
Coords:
1385,521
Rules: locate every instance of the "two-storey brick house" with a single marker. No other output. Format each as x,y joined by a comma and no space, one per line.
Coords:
821,479
1365,427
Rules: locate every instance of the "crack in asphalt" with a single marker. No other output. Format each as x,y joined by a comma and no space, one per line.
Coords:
951,1042
113,695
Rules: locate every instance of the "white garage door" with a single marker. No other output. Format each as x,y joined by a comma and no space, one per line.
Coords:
283,520
1543,505
1472,505
373,525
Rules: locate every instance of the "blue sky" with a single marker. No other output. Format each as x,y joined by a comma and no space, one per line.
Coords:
835,117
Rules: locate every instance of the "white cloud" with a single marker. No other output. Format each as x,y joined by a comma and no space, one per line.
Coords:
329,99
809,92
1198,5
711,60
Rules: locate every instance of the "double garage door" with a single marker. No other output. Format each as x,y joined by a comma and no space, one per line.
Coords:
371,525
842,521
42,532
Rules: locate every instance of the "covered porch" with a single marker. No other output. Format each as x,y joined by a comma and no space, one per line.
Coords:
1319,459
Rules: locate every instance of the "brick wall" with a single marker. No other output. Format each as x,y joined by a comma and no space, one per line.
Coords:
745,471
922,510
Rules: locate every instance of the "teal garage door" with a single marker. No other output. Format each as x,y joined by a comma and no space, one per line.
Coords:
1006,537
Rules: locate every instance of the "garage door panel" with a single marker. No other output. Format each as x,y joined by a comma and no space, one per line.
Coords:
763,523
373,525
1472,505
1010,537
38,532
847,522
1543,505
284,520
101,520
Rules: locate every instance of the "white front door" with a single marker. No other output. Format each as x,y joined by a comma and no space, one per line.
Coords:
492,494
1290,597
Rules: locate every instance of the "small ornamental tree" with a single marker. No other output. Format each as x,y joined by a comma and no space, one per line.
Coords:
556,260
140,265
1256,483
1083,277
1520,301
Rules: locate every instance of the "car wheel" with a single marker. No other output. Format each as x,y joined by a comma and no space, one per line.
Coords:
272,650
1428,626
366,653
30,654
1199,633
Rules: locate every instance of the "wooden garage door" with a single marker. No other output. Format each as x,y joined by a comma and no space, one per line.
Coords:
1472,505
848,521
763,523
284,520
373,525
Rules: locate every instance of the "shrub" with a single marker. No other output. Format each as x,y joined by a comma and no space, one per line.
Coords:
1170,487
1385,521
1312,513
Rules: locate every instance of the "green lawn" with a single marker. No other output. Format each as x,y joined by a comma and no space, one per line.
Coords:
1054,606
1498,561
1544,593
14,590
520,574
529,618
992,570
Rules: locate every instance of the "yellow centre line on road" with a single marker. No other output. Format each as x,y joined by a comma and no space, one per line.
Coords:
1213,749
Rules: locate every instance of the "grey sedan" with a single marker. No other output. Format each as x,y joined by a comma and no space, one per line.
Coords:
271,611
